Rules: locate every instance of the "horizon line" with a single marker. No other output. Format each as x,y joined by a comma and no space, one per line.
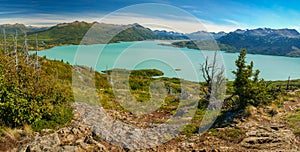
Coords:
55,24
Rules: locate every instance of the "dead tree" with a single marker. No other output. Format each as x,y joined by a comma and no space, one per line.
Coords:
56,74
288,83
213,77
26,47
36,65
16,49
4,37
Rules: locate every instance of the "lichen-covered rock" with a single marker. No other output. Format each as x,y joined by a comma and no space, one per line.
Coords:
49,142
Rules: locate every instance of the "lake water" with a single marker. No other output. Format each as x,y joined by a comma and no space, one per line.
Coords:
174,62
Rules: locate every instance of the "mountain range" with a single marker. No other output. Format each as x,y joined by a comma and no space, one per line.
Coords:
284,42
20,28
204,35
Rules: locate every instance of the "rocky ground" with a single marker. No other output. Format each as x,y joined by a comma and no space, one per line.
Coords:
92,131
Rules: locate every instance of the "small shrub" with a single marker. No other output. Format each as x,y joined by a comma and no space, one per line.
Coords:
234,135
58,117
190,130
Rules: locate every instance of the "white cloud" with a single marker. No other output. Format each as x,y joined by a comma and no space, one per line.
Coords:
9,12
196,11
32,21
295,27
168,22
186,25
188,6
232,22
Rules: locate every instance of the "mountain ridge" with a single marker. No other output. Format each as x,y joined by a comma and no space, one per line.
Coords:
283,42
284,32
267,41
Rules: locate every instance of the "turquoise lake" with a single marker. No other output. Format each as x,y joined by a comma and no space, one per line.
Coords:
174,62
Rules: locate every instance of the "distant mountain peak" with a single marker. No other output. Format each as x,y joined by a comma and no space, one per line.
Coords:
269,32
204,35
170,34
73,23
137,25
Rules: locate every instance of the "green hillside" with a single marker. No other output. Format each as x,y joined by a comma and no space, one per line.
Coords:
63,33
74,33
135,33
204,45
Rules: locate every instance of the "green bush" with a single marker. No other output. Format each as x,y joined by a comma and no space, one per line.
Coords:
31,96
190,130
61,115
248,87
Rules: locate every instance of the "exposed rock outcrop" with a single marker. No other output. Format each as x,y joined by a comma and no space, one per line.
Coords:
262,133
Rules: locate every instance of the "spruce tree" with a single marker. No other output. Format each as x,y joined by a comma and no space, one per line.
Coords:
247,86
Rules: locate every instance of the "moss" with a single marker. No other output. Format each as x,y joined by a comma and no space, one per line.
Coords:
234,135
190,130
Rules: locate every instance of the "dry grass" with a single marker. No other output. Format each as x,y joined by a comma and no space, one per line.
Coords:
250,111
13,138
28,130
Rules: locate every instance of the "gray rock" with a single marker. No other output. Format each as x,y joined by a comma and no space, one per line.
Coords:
69,138
76,131
46,143
46,131
70,149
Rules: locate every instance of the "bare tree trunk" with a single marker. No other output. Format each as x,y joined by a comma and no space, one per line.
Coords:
4,37
26,47
213,76
56,74
16,49
288,84
36,65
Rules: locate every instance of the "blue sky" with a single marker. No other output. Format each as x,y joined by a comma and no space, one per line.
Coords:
216,15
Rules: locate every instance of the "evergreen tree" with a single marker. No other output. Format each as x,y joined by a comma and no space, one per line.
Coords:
247,86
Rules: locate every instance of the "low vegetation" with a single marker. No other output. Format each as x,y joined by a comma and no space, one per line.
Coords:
293,120
234,135
32,96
